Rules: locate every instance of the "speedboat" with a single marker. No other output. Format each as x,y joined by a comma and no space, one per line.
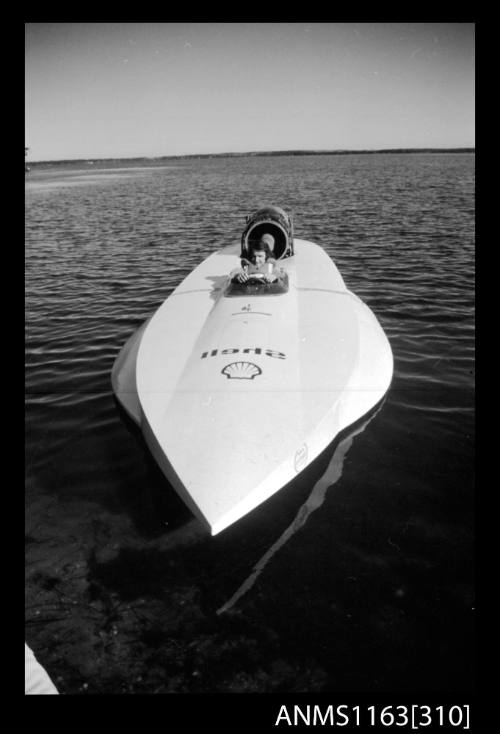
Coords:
237,387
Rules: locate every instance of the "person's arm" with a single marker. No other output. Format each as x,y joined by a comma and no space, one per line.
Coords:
271,270
241,274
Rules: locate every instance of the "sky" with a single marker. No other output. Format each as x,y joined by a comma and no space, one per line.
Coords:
117,90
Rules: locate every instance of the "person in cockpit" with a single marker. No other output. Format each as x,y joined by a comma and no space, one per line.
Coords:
261,263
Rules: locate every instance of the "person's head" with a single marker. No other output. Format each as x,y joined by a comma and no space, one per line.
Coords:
261,249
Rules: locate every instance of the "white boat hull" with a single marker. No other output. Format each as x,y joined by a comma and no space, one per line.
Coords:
236,395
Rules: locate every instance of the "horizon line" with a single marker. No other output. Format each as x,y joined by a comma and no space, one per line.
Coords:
335,151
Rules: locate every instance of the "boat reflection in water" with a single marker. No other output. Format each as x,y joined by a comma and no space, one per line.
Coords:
314,501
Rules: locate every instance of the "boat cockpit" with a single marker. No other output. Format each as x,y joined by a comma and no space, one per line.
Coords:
269,220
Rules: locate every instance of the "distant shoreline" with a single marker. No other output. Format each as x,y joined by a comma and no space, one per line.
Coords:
158,160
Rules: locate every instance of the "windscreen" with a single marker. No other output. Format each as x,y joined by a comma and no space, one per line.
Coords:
254,287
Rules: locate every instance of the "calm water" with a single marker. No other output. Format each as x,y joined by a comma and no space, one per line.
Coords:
360,575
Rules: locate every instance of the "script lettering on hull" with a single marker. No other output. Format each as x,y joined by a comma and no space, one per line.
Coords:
246,350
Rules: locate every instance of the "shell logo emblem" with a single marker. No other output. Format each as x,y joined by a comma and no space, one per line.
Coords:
241,371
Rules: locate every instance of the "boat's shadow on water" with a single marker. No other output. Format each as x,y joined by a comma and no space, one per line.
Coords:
222,568
156,509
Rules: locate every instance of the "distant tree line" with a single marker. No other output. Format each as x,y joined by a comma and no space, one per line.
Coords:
159,159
